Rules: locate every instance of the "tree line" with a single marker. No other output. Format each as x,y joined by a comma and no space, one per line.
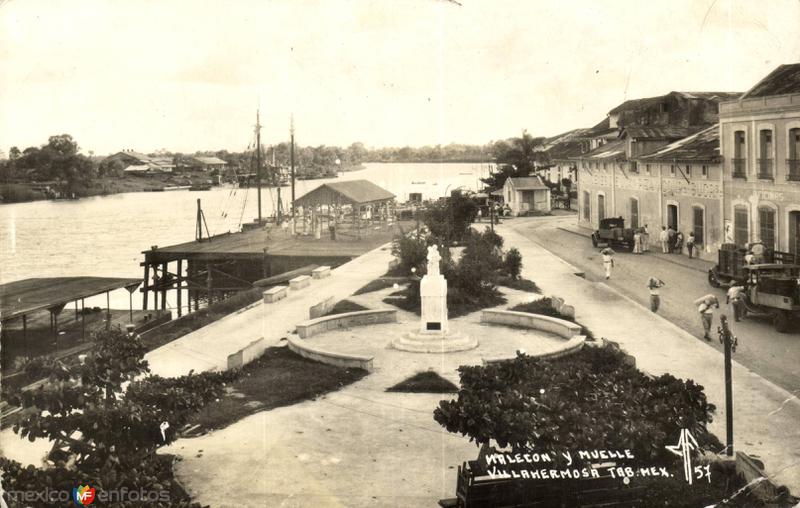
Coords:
60,161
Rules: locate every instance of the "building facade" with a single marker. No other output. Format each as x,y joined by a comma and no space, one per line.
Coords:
526,195
760,141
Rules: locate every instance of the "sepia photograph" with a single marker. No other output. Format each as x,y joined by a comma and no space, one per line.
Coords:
400,253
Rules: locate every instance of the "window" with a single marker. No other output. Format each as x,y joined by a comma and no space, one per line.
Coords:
740,229
634,213
605,166
587,206
765,154
793,163
704,170
688,170
634,167
647,168
766,224
739,155
698,225
672,169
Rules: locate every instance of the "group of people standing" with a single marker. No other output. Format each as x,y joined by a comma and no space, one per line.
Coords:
671,241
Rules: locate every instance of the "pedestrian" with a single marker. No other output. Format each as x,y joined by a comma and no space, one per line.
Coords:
671,233
679,242
645,239
637,242
480,213
654,284
608,260
757,249
705,308
690,244
663,237
735,297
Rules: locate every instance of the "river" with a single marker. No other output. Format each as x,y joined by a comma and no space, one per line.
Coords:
105,235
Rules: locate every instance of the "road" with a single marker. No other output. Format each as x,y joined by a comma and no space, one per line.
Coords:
772,355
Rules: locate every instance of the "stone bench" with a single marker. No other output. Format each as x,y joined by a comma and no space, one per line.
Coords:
307,350
300,282
247,354
312,327
560,327
572,345
274,294
321,272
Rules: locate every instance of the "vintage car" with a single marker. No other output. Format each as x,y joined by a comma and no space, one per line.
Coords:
613,233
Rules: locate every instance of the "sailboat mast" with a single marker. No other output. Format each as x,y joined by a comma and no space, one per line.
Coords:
258,162
291,132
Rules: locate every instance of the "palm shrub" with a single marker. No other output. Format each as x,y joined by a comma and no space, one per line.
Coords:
513,263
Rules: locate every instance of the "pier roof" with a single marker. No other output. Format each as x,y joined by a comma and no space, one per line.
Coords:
30,295
355,192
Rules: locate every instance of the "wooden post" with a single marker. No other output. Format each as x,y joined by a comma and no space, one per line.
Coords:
25,328
146,287
108,310
163,286
180,284
156,282
83,319
130,306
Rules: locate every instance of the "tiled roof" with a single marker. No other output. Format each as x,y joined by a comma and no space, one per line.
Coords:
783,80
528,183
701,146
656,132
610,151
567,149
354,191
649,101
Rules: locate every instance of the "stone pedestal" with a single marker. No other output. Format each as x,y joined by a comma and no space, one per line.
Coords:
433,296
434,335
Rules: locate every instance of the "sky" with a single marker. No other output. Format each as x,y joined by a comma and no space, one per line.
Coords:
186,75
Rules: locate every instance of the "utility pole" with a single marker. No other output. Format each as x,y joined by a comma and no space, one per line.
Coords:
729,342
258,162
291,158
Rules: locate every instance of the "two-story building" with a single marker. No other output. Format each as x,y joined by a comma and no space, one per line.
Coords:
760,142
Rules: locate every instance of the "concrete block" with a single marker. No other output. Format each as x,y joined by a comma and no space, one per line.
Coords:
247,354
321,272
274,294
321,308
300,282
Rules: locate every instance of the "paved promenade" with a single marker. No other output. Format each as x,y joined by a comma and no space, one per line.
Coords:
208,348
766,417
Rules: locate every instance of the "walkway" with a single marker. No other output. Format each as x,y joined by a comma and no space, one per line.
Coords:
208,348
766,417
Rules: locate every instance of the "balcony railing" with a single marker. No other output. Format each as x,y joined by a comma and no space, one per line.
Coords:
739,168
793,170
765,169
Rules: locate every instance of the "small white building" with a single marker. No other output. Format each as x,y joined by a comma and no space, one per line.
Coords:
526,194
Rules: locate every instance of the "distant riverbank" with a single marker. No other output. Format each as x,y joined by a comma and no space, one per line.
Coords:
39,191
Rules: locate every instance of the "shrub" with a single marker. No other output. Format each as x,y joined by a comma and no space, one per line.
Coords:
450,220
590,400
411,252
513,263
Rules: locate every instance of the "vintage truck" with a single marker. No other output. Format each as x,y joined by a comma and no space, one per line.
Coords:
773,292
731,262
613,233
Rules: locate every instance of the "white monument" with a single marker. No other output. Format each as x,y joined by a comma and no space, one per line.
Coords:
433,296
434,334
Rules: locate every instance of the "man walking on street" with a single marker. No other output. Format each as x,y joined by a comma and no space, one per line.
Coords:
690,244
608,261
735,298
663,237
645,239
706,310
654,284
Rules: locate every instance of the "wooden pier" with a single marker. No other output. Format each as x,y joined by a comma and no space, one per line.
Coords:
209,269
